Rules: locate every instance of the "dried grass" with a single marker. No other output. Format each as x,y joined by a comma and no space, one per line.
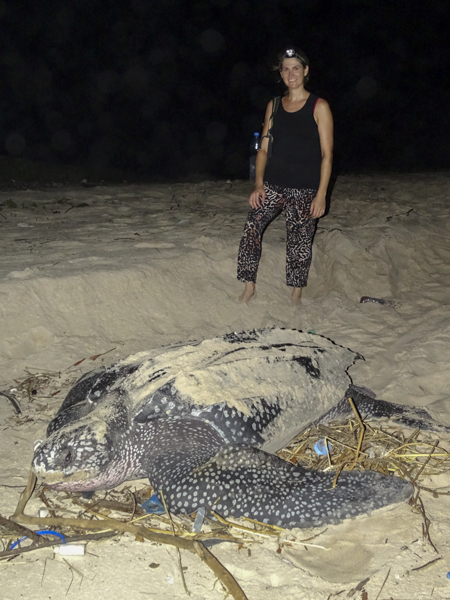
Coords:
365,447
362,446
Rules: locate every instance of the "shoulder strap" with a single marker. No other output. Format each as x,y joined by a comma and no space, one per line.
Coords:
275,105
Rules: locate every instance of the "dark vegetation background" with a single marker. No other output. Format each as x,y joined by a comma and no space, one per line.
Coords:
175,88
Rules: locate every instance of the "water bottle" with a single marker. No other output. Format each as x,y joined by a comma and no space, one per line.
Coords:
254,147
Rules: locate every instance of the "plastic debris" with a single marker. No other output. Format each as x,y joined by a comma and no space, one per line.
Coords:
43,532
70,550
153,506
379,301
197,527
320,449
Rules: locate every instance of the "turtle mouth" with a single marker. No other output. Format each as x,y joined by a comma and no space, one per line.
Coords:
83,480
60,480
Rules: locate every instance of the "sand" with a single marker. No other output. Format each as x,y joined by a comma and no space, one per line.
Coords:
114,270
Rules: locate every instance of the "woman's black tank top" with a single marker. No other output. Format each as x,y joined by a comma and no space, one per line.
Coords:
296,154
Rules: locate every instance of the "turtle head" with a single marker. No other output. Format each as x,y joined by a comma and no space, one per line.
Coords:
89,454
78,458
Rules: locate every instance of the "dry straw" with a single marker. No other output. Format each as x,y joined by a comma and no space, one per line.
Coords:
357,444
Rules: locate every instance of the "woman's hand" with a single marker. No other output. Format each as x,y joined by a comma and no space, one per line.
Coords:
257,197
318,206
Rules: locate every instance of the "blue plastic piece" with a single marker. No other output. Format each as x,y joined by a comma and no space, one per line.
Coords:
320,449
153,506
42,532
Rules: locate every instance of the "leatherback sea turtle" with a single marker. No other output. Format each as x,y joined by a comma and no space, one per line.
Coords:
201,420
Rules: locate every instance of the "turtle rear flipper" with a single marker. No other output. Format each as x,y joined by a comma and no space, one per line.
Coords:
242,481
371,408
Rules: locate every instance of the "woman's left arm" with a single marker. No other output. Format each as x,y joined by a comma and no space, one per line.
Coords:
324,120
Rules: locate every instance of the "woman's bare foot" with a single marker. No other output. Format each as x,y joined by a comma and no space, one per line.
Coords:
248,293
296,296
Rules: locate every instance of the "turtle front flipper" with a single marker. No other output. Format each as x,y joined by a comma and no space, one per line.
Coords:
90,391
241,481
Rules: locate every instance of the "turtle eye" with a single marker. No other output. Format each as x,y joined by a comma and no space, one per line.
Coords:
68,457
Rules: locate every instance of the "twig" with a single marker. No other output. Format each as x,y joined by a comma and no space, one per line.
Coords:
338,472
426,523
405,444
19,529
425,462
180,566
112,505
194,546
220,571
428,564
102,354
384,583
265,533
43,572
13,402
363,430
300,543
43,499
25,496
327,451
72,573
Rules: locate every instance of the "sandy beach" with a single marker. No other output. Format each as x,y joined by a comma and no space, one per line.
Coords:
89,275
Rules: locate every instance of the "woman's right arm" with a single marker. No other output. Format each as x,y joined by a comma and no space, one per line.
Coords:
258,195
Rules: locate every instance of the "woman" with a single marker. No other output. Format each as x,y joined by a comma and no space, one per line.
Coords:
295,179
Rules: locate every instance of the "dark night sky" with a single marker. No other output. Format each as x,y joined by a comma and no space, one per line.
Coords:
175,87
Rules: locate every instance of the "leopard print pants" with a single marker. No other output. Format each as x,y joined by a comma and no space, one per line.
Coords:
300,229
